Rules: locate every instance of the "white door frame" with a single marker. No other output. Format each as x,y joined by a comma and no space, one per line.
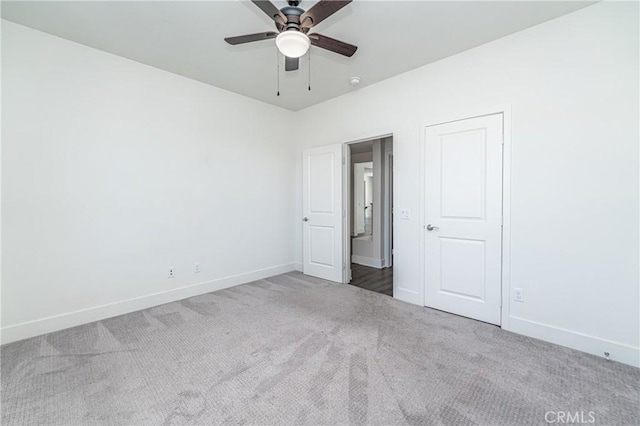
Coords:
388,209
506,201
346,214
346,181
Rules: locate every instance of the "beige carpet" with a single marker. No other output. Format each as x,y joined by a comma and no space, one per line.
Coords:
296,350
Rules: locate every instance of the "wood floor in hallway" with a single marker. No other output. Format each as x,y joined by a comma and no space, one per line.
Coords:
378,280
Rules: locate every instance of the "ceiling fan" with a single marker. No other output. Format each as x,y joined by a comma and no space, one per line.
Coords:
293,24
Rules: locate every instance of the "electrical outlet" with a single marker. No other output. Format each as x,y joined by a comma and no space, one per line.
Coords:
172,272
196,268
405,214
518,295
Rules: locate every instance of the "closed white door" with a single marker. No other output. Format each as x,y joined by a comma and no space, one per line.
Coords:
322,212
463,217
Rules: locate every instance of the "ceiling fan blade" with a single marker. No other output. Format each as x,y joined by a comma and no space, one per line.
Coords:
271,10
333,45
321,11
291,64
248,38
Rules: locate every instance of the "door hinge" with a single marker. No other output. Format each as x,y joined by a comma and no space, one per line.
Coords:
343,160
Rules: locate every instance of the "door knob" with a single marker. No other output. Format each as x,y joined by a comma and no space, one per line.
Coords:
430,227
305,219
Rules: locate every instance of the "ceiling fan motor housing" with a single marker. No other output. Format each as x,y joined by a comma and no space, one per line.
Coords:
293,14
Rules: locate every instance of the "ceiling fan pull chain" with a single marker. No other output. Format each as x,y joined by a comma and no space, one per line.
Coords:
309,69
278,70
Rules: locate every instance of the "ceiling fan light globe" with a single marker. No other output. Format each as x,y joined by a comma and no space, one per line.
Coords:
292,43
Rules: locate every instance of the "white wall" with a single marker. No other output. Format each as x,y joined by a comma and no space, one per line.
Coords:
114,171
572,86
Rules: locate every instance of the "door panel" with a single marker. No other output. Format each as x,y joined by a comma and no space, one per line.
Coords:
463,175
322,247
322,212
468,281
463,209
321,181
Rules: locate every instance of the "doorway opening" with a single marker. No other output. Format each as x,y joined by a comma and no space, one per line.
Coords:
369,223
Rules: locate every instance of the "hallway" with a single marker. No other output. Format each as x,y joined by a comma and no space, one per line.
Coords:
378,280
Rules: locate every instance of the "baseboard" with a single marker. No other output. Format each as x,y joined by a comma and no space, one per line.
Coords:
34,328
297,267
583,342
367,261
407,296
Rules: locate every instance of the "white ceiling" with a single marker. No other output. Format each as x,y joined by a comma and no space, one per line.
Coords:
186,38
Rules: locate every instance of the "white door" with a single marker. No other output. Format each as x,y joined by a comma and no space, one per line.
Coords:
322,212
463,217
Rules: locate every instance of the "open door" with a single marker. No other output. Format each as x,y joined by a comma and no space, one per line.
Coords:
322,212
